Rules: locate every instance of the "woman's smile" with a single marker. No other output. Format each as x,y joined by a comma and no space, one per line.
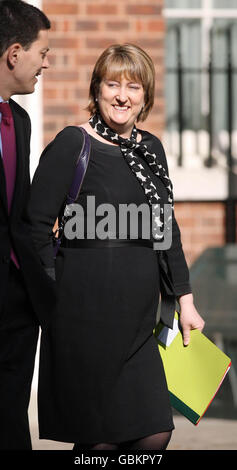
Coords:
120,103
120,108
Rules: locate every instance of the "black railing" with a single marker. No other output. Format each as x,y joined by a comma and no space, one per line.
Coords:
211,71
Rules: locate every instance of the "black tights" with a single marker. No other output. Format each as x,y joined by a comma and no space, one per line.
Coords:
157,441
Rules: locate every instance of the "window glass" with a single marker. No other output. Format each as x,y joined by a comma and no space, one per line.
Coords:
189,33
224,39
198,4
224,4
224,36
183,4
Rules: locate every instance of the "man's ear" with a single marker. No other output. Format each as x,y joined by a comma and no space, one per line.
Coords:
13,53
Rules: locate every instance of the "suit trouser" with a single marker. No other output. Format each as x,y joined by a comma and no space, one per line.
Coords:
19,332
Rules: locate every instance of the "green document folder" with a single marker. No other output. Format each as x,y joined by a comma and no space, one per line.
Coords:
194,373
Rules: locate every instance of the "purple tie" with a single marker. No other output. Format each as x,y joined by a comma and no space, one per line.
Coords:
9,156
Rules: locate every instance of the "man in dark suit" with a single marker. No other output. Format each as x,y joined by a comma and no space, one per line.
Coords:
26,292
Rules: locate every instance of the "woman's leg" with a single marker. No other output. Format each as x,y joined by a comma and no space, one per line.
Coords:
100,446
157,441
104,446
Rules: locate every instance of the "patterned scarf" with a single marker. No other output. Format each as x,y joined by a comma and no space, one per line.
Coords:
129,147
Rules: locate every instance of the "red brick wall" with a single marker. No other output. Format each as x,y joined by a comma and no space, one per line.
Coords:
81,30
202,225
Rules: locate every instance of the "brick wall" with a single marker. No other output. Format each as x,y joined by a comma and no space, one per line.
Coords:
202,225
81,30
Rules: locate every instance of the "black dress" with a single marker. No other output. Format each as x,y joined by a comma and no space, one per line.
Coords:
101,376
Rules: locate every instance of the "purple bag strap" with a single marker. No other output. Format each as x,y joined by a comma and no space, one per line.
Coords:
81,167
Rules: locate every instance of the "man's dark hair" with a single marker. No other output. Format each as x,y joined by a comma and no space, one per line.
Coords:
20,22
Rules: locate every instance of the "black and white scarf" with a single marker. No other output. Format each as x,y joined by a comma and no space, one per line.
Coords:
129,148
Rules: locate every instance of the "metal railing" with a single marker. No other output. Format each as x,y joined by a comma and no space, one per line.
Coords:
211,71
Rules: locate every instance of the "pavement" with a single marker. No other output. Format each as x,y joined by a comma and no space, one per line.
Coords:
209,434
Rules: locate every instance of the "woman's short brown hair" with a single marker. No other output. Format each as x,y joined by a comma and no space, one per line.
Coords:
126,60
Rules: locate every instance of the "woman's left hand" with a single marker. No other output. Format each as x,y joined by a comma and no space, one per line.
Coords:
189,317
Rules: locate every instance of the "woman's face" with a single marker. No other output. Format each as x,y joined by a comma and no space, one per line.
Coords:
120,102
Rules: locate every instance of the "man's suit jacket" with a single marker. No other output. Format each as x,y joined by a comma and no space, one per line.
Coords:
15,227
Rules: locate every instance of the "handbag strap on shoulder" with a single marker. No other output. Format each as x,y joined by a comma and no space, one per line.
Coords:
80,171
81,167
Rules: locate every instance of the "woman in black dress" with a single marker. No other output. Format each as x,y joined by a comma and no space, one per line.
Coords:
101,380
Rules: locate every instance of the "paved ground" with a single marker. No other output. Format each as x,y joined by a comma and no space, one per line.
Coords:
210,434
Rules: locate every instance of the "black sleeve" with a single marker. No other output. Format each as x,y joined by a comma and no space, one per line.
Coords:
174,256
50,186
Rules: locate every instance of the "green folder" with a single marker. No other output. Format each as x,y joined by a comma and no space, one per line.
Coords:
194,373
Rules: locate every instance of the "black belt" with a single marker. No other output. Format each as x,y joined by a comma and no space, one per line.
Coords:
108,243
167,293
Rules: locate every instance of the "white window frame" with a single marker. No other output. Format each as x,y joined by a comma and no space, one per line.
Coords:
206,13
